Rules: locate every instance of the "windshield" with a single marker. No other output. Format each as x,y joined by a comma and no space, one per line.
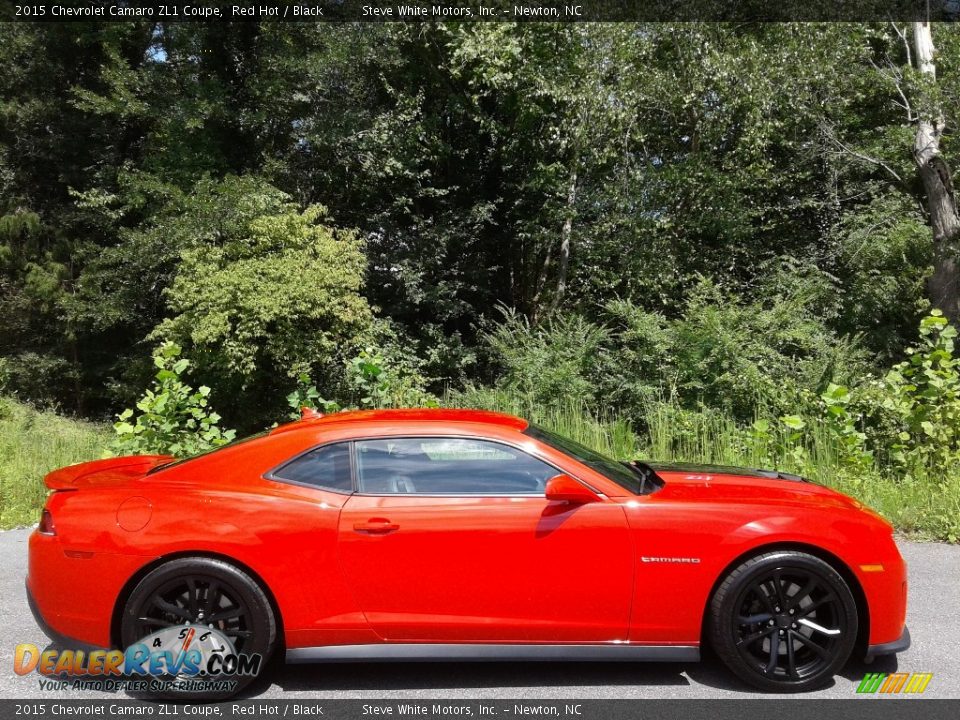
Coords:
623,474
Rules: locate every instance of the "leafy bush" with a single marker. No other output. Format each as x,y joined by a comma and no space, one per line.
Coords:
173,418
843,423
264,291
721,352
306,395
739,355
377,381
558,360
375,378
924,392
38,379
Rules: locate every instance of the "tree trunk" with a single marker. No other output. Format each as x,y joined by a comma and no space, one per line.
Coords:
944,285
565,234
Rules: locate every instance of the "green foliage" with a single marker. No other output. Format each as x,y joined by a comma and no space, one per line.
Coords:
377,381
924,392
273,292
553,361
374,378
843,423
133,160
306,395
171,418
721,352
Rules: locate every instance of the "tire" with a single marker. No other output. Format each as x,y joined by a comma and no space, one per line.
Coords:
791,640
189,587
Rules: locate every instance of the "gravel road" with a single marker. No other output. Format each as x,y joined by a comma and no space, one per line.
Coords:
933,617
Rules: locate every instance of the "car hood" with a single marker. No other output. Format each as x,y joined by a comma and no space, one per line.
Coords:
704,469
111,471
719,483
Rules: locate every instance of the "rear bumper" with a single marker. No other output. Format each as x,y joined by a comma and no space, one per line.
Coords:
890,648
74,592
58,638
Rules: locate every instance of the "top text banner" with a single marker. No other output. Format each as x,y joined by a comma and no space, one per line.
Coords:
479,10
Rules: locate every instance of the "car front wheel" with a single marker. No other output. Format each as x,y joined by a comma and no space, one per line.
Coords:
783,621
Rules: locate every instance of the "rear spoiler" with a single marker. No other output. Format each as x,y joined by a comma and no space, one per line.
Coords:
68,478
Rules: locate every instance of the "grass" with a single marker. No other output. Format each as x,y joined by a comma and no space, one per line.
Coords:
32,443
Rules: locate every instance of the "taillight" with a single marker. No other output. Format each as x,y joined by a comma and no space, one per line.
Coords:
46,523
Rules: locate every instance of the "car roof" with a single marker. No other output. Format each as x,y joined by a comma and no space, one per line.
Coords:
407,415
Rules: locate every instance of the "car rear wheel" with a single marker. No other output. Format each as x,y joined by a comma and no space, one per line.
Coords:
201,594
783,621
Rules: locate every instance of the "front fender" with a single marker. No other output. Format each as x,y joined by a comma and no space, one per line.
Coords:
685,549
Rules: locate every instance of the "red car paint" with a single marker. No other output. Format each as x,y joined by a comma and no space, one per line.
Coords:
471,569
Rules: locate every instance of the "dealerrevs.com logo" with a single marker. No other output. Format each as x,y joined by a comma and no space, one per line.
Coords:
895,683
193,659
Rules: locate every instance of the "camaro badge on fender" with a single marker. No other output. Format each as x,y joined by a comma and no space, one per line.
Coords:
669,560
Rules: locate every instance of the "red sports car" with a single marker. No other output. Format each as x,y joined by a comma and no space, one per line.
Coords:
467,535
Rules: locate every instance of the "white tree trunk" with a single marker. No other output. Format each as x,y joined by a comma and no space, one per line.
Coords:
944,284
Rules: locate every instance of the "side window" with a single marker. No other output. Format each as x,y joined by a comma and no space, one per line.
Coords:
326,467
448,466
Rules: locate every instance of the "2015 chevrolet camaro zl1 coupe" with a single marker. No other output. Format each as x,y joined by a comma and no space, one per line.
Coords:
456,534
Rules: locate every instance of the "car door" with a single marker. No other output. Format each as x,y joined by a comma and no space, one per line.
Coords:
452,540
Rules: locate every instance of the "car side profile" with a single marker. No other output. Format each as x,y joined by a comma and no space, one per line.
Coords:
466,535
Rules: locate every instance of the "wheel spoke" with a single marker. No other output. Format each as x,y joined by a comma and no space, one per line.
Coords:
774,654
778,586
791,658
238,633
193,593
156,621
761,592
228,614
756,636
821,651
804,611
819,628
754,619
213,592
171,608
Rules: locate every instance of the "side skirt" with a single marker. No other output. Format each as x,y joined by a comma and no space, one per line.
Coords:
431,652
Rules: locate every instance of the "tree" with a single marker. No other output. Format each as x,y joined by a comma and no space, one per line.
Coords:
263,293
937,180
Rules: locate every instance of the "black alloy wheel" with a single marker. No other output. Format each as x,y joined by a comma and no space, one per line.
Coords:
784,621
196,600
202,593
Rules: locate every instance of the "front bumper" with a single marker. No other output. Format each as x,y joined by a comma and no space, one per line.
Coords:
889,648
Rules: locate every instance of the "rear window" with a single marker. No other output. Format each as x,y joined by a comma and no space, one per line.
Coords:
325,467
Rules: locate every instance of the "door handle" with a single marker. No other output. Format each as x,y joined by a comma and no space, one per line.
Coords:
376,526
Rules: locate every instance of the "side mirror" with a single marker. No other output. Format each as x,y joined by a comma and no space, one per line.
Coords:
566,489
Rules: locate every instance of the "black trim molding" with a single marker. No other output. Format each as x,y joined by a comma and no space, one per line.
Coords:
431,652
